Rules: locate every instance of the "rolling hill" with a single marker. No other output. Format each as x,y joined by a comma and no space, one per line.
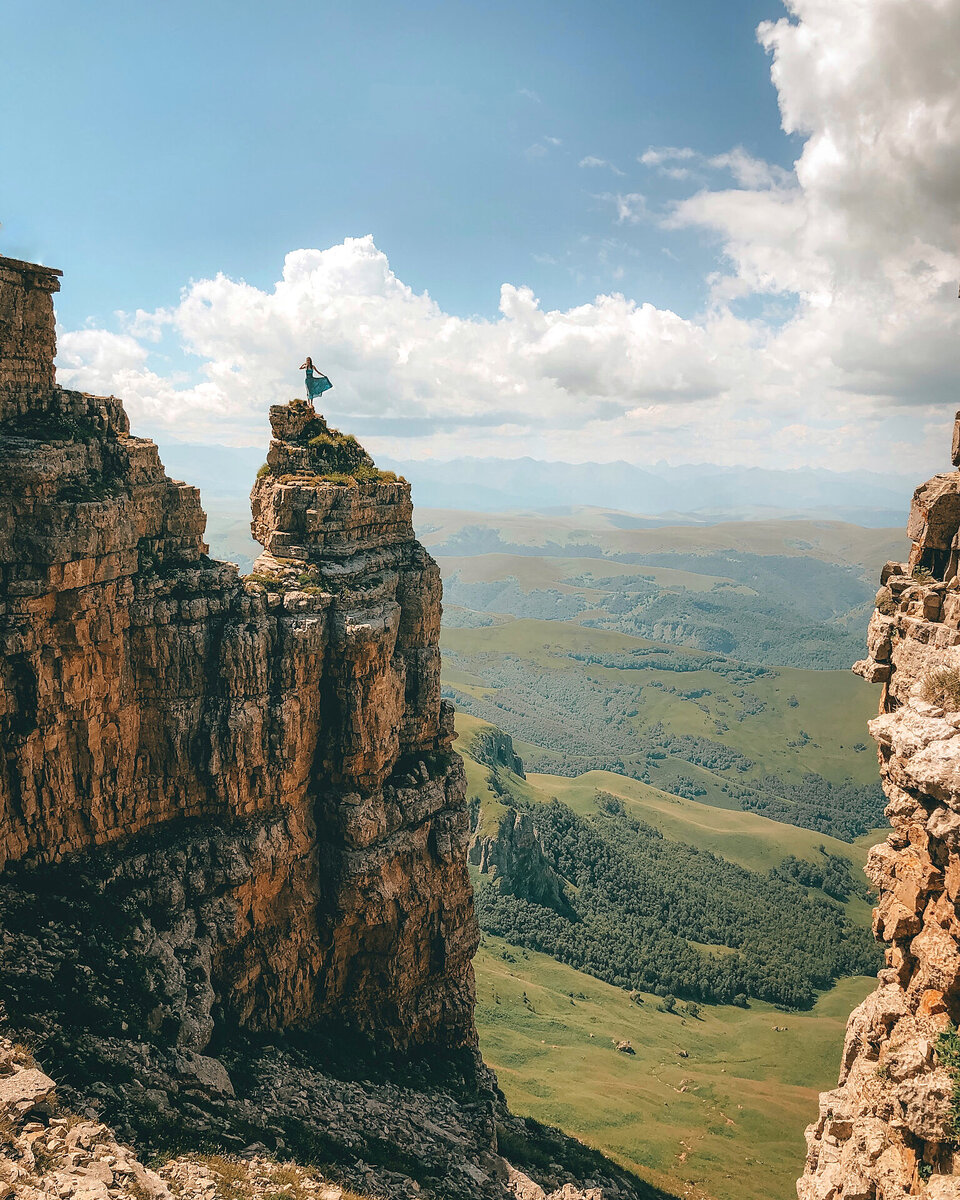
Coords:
785,742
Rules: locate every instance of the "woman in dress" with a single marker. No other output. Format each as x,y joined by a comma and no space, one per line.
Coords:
317,382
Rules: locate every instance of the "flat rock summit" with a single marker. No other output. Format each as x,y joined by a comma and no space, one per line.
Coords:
235,912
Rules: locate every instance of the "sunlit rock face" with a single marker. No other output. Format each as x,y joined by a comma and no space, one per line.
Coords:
890,1129
235,911
253,778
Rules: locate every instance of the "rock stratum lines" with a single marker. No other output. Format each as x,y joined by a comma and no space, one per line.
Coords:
297,726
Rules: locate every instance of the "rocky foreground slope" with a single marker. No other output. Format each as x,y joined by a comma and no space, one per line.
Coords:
891,1129
235,913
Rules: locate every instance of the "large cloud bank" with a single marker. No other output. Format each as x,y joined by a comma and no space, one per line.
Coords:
851,260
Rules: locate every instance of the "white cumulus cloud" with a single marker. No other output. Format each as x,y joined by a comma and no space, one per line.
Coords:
591,160
845,356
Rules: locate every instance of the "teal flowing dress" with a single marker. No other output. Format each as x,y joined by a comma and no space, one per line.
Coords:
317,384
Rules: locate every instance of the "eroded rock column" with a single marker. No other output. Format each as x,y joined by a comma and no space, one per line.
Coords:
250,781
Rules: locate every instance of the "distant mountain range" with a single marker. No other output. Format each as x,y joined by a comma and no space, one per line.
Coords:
701,492
693,493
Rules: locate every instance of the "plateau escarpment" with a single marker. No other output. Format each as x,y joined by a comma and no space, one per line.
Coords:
891,1129
232,827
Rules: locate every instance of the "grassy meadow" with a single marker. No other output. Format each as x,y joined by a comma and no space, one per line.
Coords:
788,721
725,1122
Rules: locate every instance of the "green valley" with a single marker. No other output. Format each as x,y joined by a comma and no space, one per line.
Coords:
712,1106
601,888
703,1099
672,790
787,743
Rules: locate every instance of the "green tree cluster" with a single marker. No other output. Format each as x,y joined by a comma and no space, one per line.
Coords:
638,901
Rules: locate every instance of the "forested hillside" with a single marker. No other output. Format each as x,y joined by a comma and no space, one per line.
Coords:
679,906
649,912
786,743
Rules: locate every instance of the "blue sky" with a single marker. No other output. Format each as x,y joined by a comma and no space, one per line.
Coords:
690,231
152,144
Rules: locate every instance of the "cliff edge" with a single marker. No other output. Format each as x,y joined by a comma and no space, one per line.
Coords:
234,902
295,723
891,1129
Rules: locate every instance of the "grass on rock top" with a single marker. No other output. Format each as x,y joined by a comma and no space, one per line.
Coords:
340,459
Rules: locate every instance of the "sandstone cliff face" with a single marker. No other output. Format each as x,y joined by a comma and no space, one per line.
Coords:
28,337
891,1130
148,690
234,900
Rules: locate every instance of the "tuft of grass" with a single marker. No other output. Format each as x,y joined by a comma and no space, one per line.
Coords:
237,1179
366,474
942,687
948,1052
23,1054
232,1176
45,1160
265,470
340,478
341,450
352,478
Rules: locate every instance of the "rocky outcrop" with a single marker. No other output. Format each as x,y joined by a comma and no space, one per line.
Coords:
49,1150
277,750
494,748
298,730
510,856
505,845
234,900
891,1128
28,336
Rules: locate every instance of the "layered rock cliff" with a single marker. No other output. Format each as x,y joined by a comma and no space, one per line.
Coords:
146,687
891,1129
234,901
505,844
